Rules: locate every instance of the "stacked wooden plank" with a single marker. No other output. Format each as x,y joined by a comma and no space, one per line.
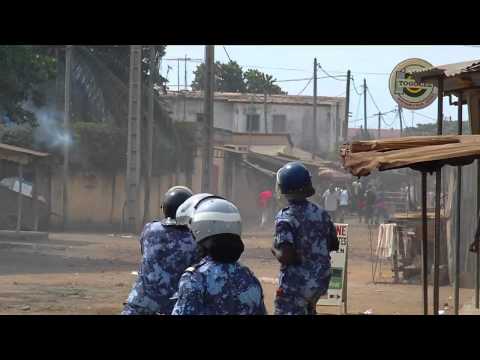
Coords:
424,153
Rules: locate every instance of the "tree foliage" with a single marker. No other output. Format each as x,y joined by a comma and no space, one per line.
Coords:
99,146
17,135
22,69
230,77
258,82
117,59
449,128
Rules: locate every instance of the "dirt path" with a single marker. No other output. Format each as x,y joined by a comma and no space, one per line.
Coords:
92,274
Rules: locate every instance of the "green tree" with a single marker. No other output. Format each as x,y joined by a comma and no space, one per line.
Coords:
449,128
228,77
258,82
22,69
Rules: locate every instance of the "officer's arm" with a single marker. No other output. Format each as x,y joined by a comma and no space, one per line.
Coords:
143,236
190,299
284,247
332,239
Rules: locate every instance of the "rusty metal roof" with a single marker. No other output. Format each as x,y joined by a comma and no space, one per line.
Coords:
18,154
256,98
448,70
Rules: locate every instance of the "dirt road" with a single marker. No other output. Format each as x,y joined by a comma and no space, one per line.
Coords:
92,274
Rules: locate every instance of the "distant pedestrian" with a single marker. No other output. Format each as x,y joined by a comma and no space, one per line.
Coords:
370,199
331,199
356,195
344,201
380,208
265,200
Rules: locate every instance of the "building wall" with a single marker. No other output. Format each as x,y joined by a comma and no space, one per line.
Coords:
187,110
299,119
90,199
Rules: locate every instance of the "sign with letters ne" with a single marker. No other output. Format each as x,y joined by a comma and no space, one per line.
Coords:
337,290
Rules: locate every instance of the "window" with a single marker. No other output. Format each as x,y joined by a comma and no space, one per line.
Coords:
279,123
253,123
200,117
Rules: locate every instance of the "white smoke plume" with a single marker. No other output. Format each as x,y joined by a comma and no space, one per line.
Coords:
49,131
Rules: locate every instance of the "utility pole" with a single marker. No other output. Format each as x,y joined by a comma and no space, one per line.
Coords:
66,129
208,116
401,120
148,176
347,109
178,75
379,125
265,109
365,105
186,71
315,140
134,136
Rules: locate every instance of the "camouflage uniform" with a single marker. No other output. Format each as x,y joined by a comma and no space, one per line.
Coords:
307,227
166,252
213,288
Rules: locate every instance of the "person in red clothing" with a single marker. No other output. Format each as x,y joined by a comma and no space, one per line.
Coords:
265,204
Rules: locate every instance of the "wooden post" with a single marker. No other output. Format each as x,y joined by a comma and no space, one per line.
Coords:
424,244
35,196
20,202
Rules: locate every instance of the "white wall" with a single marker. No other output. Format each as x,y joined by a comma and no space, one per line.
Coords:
299,118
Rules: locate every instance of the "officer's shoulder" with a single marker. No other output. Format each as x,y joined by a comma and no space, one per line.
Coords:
192,269
318,210
284,210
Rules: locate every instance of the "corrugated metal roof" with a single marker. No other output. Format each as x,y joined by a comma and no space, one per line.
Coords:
448,70
256,98
22,150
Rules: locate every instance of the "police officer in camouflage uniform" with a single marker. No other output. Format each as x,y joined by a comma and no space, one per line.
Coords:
167,250
218,284
304,237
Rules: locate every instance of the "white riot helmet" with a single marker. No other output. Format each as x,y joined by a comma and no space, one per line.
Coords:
185,211
214,215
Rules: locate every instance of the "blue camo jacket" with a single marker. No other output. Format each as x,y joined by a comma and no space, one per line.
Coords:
307,227
166,252
213,288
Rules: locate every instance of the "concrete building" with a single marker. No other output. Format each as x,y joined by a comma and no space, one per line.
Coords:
289,114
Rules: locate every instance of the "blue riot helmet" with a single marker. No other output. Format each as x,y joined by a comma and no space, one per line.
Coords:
294,181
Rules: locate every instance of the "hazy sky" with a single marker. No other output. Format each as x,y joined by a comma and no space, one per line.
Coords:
374,63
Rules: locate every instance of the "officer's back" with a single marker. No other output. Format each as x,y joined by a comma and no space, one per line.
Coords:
167,250
311,227
218,284
304,236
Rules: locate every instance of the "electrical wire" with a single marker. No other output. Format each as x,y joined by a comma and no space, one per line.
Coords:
371,97
226,52
331,76
308,83
425,116
355,87
358,106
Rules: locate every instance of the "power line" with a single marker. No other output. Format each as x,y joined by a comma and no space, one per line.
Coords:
226,52
425,116
302,79
331,76
355,87
358,105
371,97
308,83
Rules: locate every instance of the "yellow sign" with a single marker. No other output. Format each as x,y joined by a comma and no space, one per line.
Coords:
405,90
